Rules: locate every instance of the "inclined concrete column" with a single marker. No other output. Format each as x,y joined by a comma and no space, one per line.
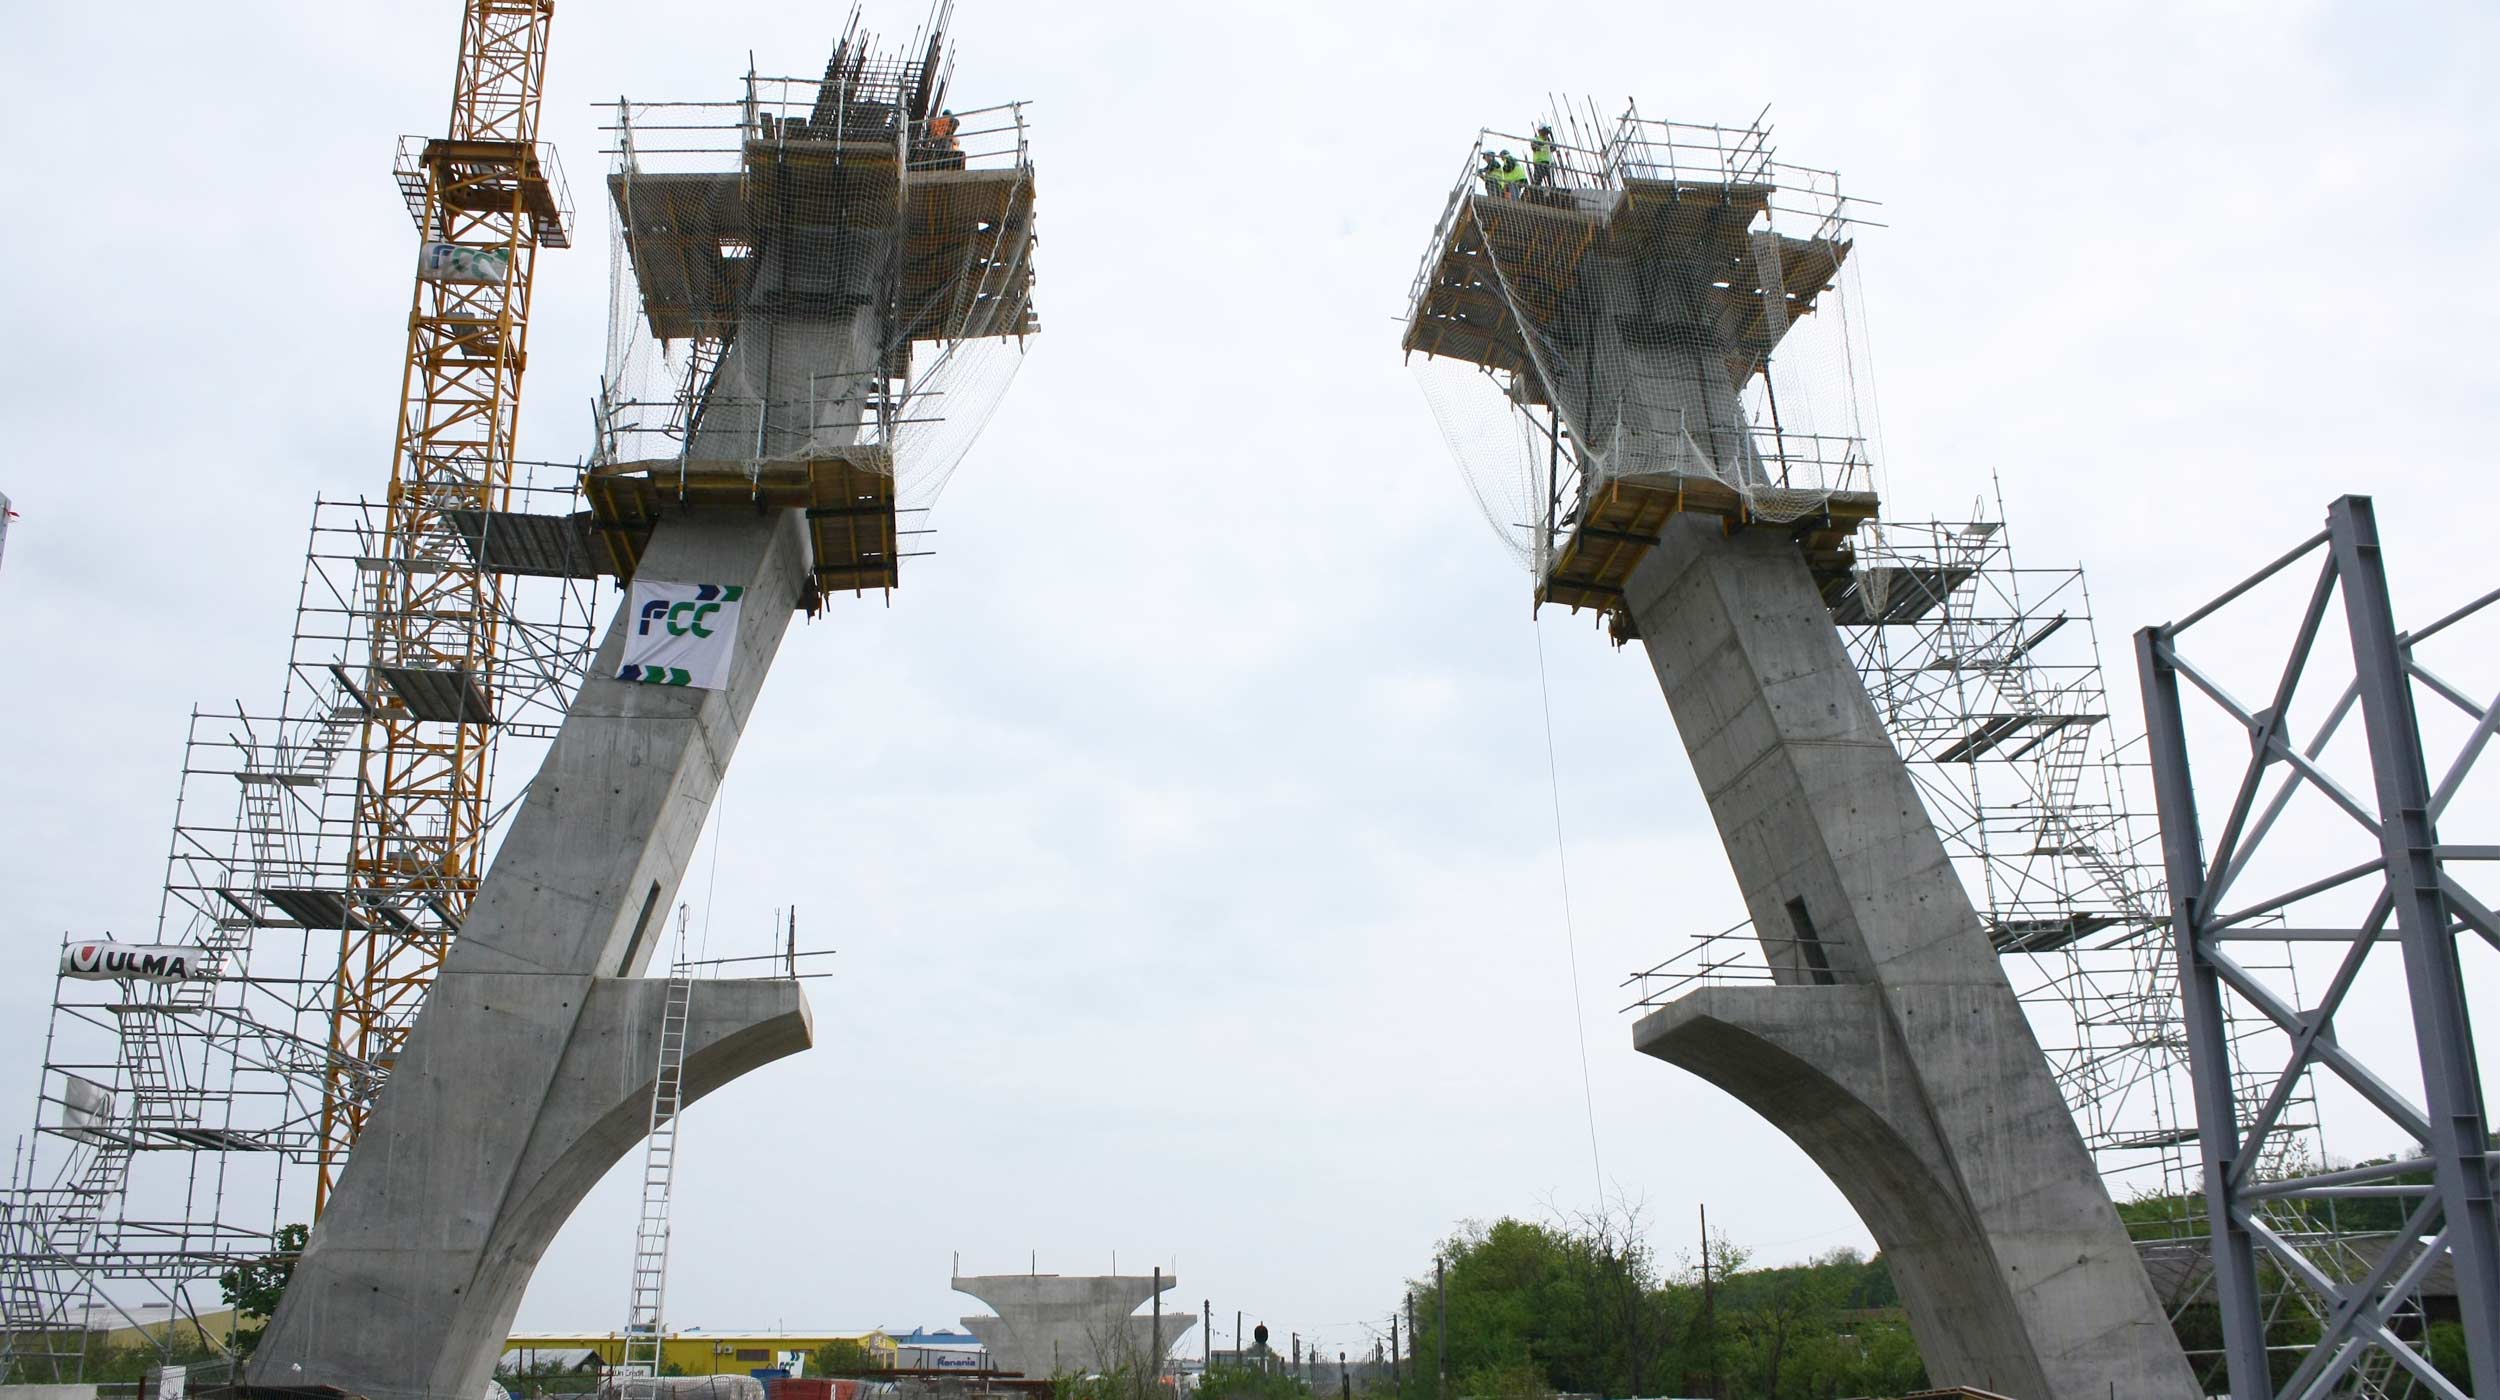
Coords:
1891,1047
529,1071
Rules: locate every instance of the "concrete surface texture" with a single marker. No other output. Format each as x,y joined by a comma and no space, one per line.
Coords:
529,1071
1890,1046
1051,1325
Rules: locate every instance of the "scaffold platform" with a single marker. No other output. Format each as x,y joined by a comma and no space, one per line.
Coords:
966,247
1527,251
1621,520
848,498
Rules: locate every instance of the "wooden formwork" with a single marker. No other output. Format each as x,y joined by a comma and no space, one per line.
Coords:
848,497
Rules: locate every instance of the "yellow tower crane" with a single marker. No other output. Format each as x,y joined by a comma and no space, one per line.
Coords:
486,196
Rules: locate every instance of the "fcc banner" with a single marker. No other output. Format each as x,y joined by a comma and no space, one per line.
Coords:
683,634
113,962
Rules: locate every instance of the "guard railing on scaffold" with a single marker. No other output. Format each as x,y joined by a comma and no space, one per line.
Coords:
1641,148
408,170
1733,956
664,136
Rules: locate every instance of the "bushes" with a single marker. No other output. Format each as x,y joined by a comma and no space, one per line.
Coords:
1582,1305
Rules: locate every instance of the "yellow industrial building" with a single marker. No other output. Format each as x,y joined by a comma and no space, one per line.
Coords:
691,1352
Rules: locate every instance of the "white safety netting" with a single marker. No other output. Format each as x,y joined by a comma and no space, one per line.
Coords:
716,1387
823,269
1665,306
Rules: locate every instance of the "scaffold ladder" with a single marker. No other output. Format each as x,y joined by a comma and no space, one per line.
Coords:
659,1168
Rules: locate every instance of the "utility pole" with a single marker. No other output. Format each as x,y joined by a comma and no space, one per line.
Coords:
1709,1304
1414,1339
1397,1379
1237,1336
1157,1354
1206,1339
1345,1383
1440,1332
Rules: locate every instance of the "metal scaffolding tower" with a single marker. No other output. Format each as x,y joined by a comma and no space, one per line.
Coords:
174,1123
1987,673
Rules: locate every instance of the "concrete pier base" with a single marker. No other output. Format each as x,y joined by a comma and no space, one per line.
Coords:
529,1072
1890,1046
1051,1325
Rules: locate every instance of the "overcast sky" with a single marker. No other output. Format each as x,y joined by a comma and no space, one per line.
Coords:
1184,824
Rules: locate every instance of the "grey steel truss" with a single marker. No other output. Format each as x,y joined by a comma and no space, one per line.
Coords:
2265,881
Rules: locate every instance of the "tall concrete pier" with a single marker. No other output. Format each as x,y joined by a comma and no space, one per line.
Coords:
1624,308
1890,1046
1051,1325
827,271
529,1072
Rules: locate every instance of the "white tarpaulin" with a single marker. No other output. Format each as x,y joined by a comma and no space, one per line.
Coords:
86,1106
109,962
683,634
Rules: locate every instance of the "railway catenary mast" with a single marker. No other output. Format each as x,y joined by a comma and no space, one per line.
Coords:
486,197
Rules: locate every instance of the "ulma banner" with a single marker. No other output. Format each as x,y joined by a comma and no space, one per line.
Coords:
683,634
121,962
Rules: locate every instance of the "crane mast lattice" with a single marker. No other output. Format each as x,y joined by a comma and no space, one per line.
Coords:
485,197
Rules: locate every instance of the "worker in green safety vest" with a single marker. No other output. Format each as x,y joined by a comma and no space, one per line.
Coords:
1511,175
1541,157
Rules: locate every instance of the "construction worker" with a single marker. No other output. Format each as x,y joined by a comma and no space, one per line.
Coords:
1513,176
945,151
1541,157
1491,173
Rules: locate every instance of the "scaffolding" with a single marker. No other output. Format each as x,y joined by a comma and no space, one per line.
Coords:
179,1126
821,289
1649,324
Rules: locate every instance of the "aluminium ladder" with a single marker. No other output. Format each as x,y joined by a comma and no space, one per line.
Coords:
642,1349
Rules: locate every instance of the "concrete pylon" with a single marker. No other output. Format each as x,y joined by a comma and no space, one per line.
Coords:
1891,1047
529,1072
1051,1325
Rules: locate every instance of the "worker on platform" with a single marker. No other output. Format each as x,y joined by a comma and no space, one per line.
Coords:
1541,157
946,153
1491,173
1512,175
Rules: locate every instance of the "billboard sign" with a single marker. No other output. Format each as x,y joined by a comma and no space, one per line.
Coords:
683,634
124,962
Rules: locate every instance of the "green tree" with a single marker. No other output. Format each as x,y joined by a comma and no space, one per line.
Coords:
1578,1305
255,1289
2445,1348
1776,1313
843,1356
